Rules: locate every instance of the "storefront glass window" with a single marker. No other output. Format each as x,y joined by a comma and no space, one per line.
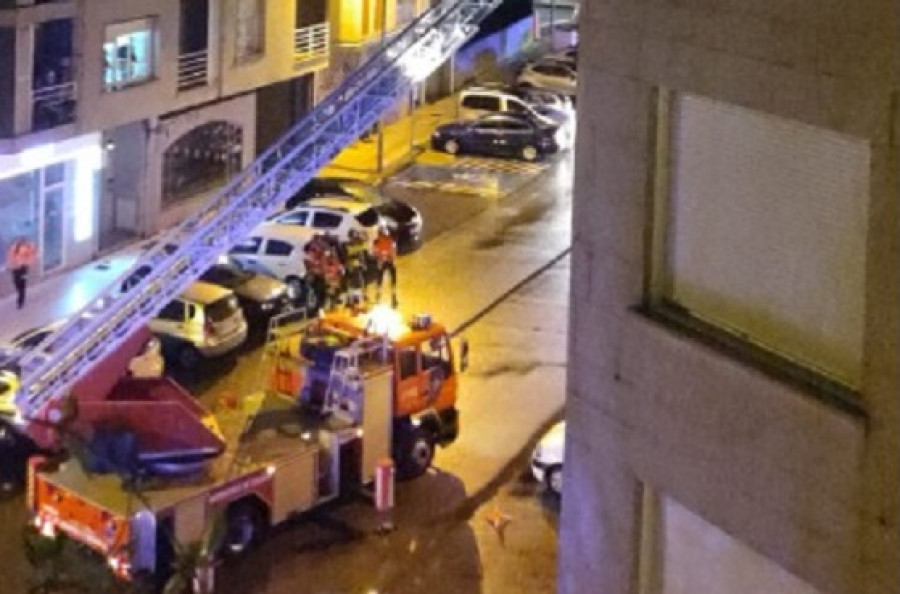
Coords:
19,197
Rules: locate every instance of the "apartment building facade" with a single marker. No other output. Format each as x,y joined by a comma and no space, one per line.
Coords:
118,118
735,307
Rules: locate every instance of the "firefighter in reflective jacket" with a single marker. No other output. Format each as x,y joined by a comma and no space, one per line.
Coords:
333,275
313,259
385,251
357,254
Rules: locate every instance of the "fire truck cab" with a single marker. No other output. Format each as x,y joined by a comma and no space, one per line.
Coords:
424,381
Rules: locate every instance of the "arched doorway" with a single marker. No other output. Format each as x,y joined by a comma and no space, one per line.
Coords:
201,160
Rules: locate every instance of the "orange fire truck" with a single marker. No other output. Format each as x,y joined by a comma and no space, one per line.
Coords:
347,390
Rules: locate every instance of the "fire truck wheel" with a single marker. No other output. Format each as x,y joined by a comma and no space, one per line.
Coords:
245,528
417,453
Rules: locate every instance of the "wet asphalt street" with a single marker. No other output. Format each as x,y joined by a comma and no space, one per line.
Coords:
495,266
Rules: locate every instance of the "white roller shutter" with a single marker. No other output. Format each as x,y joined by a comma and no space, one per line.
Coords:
698,557
767,230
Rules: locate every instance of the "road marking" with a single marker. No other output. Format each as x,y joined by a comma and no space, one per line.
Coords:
499,165
445,186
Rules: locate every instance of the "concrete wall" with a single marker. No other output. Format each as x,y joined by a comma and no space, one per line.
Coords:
806,485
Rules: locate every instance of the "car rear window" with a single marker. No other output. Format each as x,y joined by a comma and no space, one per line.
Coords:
368,217
222,309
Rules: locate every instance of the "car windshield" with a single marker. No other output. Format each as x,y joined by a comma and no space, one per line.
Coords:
226,275
222,309
30,339
368,217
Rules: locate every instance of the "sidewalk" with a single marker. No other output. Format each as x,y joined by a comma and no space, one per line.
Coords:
66,293
404,139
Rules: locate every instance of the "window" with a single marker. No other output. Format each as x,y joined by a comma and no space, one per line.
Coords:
294,218
487,103
223,309
200,160
326,220
276,247
249,246
516,106
368,218
174,312
491,126
764,233
128,53
516,126
408,362
250,32
19,202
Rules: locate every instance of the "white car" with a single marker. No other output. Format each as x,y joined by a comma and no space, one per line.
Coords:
204,321
547,459
337,215
552,75
276,249
148,363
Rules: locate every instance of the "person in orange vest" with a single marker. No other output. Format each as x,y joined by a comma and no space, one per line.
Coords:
333,274
385,251
21,257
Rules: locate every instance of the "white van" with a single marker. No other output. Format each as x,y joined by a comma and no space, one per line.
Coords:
276,250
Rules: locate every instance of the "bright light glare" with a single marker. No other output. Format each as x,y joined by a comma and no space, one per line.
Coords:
384,320
36,157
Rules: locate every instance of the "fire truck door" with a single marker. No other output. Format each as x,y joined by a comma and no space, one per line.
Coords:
409,381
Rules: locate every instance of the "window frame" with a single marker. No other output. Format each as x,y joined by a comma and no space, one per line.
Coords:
657,305
113,33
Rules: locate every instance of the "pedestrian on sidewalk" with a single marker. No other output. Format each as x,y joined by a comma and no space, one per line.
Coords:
21,257
385,251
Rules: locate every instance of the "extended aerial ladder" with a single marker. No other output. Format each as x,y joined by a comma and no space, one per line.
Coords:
182,254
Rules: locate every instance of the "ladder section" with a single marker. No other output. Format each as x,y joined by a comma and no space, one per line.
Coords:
186,251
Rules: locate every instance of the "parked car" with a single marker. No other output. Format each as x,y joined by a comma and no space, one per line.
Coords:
404,221
260,295
148,363
541,106
276,250
547,459
336,215
504,134
550,74
568,56
205,321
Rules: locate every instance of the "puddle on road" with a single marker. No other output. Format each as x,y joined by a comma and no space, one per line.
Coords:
506,223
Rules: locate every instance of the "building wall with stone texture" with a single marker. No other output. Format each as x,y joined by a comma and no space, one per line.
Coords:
657,415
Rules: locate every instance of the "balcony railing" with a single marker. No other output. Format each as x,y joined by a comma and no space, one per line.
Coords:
53,106
193,69
311,42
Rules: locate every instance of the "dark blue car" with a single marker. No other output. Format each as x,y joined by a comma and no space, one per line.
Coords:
499,134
